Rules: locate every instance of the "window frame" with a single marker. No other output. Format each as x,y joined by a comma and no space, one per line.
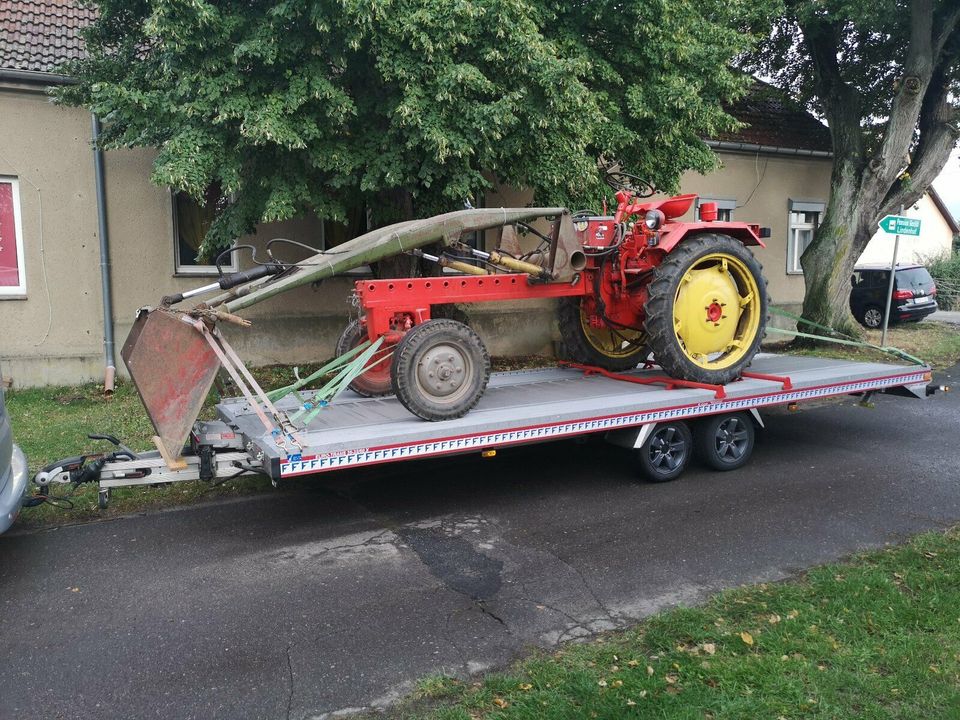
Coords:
800,206
18,292
182,270
723,204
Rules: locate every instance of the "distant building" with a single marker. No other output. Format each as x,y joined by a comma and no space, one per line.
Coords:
937,230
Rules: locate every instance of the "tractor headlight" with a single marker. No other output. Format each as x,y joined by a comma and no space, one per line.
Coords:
654,219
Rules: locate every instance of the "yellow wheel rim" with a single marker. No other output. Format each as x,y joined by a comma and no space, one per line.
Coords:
611,342
716,312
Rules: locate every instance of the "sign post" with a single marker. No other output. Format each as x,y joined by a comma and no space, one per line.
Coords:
895,225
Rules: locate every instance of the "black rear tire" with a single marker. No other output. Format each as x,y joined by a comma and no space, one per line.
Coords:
663,296
666,453
440,370
578,348
725,442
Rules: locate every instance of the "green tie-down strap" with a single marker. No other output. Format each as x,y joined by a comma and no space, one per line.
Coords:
348,367
837,337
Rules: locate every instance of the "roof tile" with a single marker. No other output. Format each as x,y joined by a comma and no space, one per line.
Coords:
39,35
772,119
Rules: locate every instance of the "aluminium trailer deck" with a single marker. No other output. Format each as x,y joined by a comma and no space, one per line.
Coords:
530,406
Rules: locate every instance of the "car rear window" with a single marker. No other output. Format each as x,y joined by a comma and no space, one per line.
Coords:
913,279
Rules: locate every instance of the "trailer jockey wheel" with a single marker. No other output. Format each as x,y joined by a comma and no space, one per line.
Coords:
440,369
706,309
666,453
611,348
725,442
374,382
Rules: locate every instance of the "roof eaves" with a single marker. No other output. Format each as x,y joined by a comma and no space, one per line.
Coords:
944,210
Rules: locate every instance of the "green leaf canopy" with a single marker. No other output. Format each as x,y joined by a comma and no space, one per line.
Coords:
408,106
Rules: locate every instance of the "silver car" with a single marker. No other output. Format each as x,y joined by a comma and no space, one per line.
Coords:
13,472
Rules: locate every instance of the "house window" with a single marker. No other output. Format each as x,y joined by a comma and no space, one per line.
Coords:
13,281
725,208
804,220
191,221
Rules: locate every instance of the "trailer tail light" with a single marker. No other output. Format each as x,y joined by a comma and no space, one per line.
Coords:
933,290
902,294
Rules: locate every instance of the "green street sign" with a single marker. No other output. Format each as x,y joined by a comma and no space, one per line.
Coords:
900,225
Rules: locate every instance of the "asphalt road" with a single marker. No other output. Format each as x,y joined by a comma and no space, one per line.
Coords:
329,595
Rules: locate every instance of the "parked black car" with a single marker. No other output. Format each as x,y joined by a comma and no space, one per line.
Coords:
914,294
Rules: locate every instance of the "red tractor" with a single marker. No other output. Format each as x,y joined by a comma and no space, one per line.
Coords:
630,284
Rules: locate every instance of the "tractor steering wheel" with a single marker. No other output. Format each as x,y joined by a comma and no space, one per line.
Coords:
637,186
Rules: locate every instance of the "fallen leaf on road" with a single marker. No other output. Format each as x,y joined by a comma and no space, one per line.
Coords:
650,670
746,637
525,686
500,702
709,648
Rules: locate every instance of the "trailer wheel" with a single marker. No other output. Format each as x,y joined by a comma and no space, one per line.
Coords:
103,498
666,453
375,382
440,369
725,442
706,309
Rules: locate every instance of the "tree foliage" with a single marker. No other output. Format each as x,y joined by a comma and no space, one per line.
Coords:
886,76
408,106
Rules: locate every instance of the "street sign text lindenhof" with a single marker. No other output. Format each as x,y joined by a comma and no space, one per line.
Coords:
900,225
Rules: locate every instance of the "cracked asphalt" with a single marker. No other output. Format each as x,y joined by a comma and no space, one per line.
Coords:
334,594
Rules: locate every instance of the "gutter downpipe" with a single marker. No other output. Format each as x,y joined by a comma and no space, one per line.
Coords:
109,353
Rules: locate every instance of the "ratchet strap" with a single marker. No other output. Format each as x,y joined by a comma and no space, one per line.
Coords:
837,337
348,366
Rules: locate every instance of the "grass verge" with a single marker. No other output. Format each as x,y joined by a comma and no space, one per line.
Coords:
936,343
876,637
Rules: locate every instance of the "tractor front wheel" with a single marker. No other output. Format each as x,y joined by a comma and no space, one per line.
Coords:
609,347
440,369
706,309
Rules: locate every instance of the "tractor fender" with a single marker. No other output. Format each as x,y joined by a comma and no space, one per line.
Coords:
674,233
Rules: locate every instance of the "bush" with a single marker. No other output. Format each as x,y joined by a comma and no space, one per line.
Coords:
946,273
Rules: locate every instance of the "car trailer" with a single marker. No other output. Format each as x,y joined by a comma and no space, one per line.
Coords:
666,420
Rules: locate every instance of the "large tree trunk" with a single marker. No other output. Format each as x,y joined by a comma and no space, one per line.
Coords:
828,262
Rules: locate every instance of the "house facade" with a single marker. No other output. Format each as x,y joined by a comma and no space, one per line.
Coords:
937,230
53,275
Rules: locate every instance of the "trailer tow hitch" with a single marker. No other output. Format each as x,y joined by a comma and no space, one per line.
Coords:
77,470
